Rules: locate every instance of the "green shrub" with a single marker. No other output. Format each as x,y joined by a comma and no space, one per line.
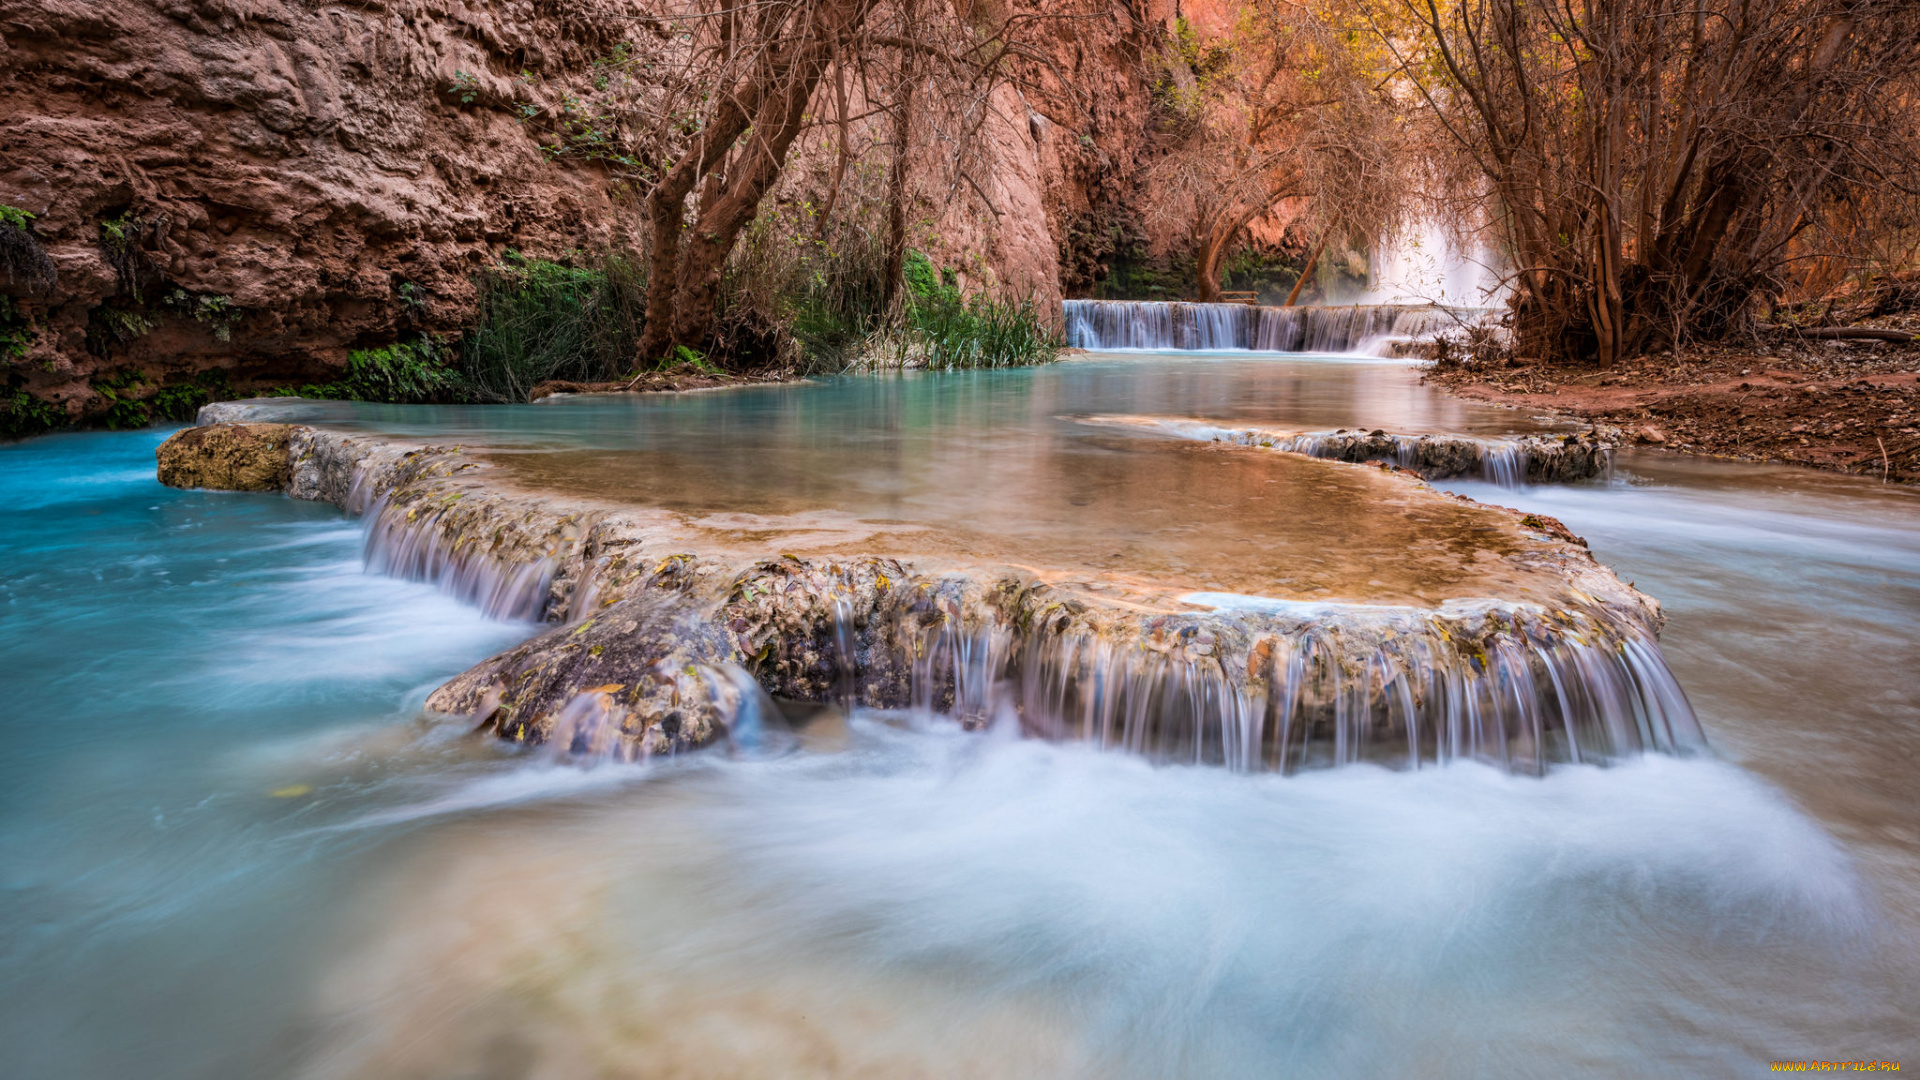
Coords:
791,300
22,414
941,327
403,373
127,405
541,320
407,374
181,401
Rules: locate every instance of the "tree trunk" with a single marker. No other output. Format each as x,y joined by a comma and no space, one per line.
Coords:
890,287
1312,260
703,254
825,220
684,267
666,217
1206,267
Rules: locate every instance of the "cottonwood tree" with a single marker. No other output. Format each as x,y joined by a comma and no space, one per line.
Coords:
1654,165
1283,111
701,111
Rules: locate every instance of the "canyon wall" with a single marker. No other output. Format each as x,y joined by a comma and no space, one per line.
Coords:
254,188
290,180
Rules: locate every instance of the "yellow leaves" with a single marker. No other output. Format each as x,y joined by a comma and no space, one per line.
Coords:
608,688
291,791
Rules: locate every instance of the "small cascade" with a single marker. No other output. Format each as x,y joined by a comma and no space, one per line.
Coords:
408,542
1544,690
1108,325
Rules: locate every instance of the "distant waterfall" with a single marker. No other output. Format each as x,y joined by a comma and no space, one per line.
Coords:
1177,326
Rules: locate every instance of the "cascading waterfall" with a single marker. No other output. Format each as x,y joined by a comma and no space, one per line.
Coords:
1544,689
1107,325
406,542
1254,684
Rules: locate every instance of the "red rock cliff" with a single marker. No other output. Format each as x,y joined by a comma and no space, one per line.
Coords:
297,178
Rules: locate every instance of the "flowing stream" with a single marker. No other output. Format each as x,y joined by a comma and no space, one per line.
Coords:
234,847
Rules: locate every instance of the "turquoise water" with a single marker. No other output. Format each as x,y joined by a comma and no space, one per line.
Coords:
232,847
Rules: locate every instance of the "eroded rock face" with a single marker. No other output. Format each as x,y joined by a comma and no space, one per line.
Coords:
309,166
227,457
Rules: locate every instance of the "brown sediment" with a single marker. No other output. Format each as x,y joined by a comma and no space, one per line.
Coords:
1846,406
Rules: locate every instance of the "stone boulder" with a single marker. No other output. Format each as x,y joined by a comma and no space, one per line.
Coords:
227,457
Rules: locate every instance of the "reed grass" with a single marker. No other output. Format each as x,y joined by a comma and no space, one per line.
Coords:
540,320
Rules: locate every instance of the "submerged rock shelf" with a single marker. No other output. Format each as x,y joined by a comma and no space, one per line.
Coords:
668,636
1507,462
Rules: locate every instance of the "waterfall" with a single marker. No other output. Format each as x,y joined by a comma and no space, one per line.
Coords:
1565,688
409,544
1107,325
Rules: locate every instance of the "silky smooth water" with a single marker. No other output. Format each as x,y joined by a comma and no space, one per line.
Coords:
232,848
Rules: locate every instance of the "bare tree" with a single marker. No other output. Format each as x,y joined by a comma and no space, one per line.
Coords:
1653,165
1282,109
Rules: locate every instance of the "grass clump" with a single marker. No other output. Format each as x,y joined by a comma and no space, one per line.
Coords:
541,321
942,328
23,258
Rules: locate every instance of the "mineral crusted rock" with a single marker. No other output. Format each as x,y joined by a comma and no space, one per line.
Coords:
1532,458
227,457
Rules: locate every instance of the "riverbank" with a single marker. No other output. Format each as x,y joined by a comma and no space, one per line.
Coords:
1847,406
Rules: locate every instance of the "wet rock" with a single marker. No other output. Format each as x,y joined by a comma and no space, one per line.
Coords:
227,457
1649,435
1529,458
641,679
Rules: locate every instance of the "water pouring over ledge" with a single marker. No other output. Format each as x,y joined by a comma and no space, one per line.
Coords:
1161,326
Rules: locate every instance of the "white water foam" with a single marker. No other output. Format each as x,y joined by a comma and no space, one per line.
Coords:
910,905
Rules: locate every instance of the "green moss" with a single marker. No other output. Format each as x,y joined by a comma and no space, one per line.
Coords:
217,313
120,241
23,259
